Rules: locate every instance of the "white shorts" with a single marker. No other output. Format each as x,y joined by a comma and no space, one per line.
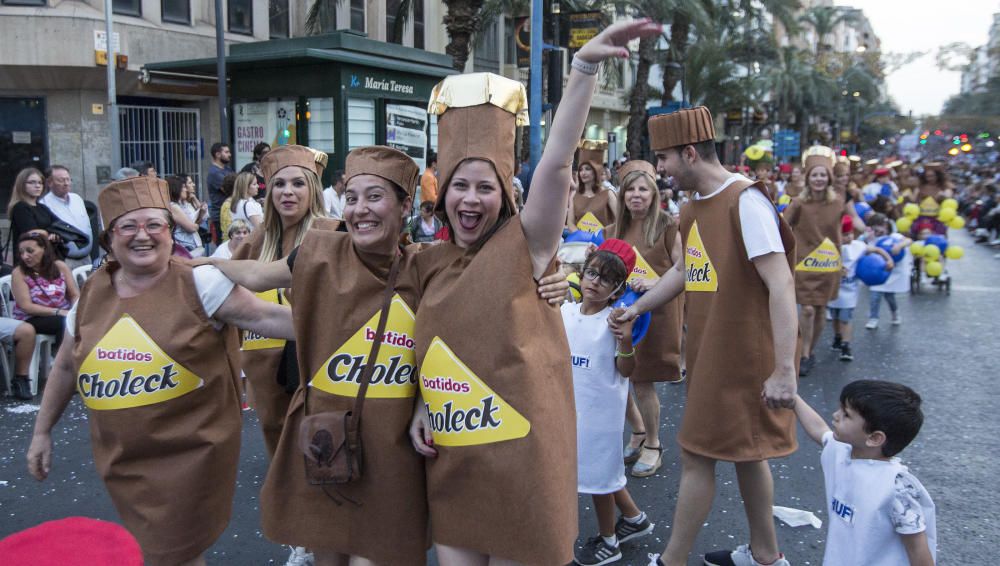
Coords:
7,327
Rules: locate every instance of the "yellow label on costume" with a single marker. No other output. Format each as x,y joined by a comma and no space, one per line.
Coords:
929,207
395,373
824,259
254,341
699,273
463,410
642,270
127,369
590,223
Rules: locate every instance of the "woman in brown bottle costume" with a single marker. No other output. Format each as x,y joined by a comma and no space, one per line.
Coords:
497,418
590,194
152,350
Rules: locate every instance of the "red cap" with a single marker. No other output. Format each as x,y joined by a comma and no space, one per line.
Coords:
846,224
881,171
785,168
622,249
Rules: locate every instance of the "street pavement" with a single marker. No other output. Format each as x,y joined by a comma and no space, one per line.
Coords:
946,349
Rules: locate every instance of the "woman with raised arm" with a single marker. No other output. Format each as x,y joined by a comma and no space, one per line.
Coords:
160,384
497,420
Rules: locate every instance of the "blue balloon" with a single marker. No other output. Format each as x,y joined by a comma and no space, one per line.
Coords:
885,190
887,243
584,236
862,208
641,325
782,207
871,270
937,240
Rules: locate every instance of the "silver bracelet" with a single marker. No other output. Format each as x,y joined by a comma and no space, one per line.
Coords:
585,67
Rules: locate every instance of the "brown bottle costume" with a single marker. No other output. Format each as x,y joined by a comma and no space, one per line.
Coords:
658,356
812,222
170,466
338,292
599,205
730,347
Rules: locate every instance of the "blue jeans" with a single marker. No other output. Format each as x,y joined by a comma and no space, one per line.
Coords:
876,303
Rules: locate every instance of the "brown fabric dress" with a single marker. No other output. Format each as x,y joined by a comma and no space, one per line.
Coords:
598,205
261,366
496,376
730,347
168,449
816,226
658,356
339,298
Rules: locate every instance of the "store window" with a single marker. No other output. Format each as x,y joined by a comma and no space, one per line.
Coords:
358,15
394,21
176,11
487,53
278,18
127,7
418,24
240,16
319,114
271,121
360,122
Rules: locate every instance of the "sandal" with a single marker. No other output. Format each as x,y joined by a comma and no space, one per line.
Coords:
640,470
632,454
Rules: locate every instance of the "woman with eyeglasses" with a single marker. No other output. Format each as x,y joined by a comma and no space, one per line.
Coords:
26,214
160,384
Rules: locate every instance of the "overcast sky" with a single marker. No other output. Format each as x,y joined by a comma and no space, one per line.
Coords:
925,25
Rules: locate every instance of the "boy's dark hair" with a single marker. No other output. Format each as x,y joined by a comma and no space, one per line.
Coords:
892,408
878,219
228,184
217,148
610,267
258,150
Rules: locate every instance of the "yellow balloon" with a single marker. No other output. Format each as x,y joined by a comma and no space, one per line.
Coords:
911,210
957,223
932,253
947,215
917,248
784,199
754,152
949,203
574,286
904,224
933,268
954,252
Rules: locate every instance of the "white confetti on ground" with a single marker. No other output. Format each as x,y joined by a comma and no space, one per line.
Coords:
23,408
3,483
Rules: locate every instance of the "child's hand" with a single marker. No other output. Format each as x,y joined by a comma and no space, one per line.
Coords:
620,329
889,264
640,285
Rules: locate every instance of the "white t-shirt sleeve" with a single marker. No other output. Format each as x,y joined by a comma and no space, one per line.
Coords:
759,223
254,208
213,290
908,505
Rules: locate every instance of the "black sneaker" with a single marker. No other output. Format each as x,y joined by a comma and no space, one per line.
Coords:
836,342
845,353
20,388
596,552
626,531
806,365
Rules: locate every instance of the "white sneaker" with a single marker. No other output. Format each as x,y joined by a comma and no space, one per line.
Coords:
300,557
739,557
896,321
872,324
654,560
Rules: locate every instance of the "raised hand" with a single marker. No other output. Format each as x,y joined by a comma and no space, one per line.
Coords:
613,40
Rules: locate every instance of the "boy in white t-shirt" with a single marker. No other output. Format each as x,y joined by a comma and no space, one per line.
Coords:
880,514
841,309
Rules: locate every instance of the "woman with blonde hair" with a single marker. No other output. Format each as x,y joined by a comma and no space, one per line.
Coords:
653,233
243,204
815,218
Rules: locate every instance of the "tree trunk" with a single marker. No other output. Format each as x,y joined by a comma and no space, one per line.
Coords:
637,100
461,23
673,70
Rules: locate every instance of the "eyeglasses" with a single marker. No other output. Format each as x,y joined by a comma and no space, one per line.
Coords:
152,227
591,274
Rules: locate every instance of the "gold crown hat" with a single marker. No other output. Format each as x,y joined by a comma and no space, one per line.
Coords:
478,115
818,156
288,155
591,152
640,165
683,127
134,193
386,162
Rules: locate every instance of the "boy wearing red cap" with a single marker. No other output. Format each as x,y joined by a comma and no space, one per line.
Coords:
603,356
742,327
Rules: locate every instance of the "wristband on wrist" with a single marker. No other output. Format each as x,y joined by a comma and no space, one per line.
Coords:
584,67
628,355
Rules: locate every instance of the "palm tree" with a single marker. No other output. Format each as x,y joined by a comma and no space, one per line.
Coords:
461,22
823,20
637,98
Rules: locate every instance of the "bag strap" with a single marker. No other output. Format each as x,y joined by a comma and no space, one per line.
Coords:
366,373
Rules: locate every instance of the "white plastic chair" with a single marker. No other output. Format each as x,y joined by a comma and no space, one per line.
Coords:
40,363
81,274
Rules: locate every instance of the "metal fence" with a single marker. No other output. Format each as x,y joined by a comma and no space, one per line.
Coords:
169,138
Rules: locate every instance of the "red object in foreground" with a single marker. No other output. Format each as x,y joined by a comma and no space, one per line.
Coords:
73,541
